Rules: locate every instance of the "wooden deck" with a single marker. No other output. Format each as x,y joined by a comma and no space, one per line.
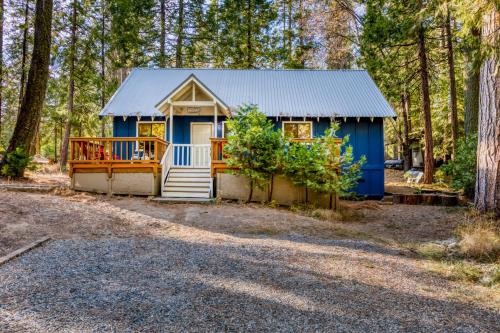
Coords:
131,154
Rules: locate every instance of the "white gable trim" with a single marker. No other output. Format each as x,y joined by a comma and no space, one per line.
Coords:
167,100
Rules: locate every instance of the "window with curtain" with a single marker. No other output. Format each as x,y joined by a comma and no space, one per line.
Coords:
297,129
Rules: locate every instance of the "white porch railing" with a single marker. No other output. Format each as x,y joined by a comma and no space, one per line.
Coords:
166,163
190,156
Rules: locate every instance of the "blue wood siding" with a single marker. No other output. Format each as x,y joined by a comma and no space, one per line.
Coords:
366,137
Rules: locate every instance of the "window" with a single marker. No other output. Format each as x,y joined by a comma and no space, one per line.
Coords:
297,129
151,129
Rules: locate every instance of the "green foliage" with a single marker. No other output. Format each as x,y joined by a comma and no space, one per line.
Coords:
305,164
254,146
462,170
15,163
325,165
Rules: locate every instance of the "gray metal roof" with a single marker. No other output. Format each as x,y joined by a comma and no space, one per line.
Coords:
286,93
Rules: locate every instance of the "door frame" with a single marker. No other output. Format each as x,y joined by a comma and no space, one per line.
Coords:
200,123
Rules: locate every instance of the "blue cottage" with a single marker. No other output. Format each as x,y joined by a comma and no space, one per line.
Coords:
188,108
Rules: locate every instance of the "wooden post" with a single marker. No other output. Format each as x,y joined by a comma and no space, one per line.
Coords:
215,119
171,123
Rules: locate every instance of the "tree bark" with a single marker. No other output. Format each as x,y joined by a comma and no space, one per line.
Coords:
36,87
271,188
163,34
487,196
1,63
471,83
426,107
71,89
180,35
249,57
452,87
250,193
405,106
103,65
22,80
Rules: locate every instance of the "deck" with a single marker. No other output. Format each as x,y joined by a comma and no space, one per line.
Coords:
111,155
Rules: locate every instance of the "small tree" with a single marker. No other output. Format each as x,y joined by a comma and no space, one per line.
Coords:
462,170
253,147
341,172
325,165
304,164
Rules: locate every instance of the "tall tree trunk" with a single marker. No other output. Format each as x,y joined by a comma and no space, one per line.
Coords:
405,106
180,35
22,80
55,143
471,83
163,34
71,89
487,196
426,106
249,58
1,63
301,21
453,87
103,65
36,87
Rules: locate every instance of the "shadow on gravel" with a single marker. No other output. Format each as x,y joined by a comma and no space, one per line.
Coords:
154,285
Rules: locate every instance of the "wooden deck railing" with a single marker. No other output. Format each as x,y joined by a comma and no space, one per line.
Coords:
110,153
219,160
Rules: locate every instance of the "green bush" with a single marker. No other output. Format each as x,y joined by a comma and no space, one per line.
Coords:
16,163
325,165
254,147
462,170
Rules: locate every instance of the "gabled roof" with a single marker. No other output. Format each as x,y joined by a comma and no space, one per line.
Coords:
188,80
277,93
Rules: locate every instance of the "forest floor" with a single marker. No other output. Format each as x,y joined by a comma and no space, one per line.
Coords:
127,263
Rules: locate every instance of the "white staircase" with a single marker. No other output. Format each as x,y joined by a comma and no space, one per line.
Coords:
187,183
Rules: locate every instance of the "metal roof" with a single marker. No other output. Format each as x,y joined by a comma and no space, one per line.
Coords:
277,93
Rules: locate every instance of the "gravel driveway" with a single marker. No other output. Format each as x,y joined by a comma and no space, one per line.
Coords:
228,283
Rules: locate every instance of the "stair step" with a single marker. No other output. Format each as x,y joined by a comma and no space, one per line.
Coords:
188,184
186,189
182,200
189,179
203,170
183,194
190,174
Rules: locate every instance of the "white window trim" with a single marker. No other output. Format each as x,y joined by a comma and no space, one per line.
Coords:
297,122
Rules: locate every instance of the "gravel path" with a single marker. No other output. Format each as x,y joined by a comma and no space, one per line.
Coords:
217,282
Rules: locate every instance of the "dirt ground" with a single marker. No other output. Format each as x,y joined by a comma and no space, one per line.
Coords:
25,217
68,215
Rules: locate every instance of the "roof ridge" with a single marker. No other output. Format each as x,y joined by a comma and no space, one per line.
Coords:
251,69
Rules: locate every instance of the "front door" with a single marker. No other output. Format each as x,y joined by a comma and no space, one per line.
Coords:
201,133
200,141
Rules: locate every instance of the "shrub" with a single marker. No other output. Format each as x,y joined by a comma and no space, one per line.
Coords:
324,165
253,146
480,239
462,170
15,163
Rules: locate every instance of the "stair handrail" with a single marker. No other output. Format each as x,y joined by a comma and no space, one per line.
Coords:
166,164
